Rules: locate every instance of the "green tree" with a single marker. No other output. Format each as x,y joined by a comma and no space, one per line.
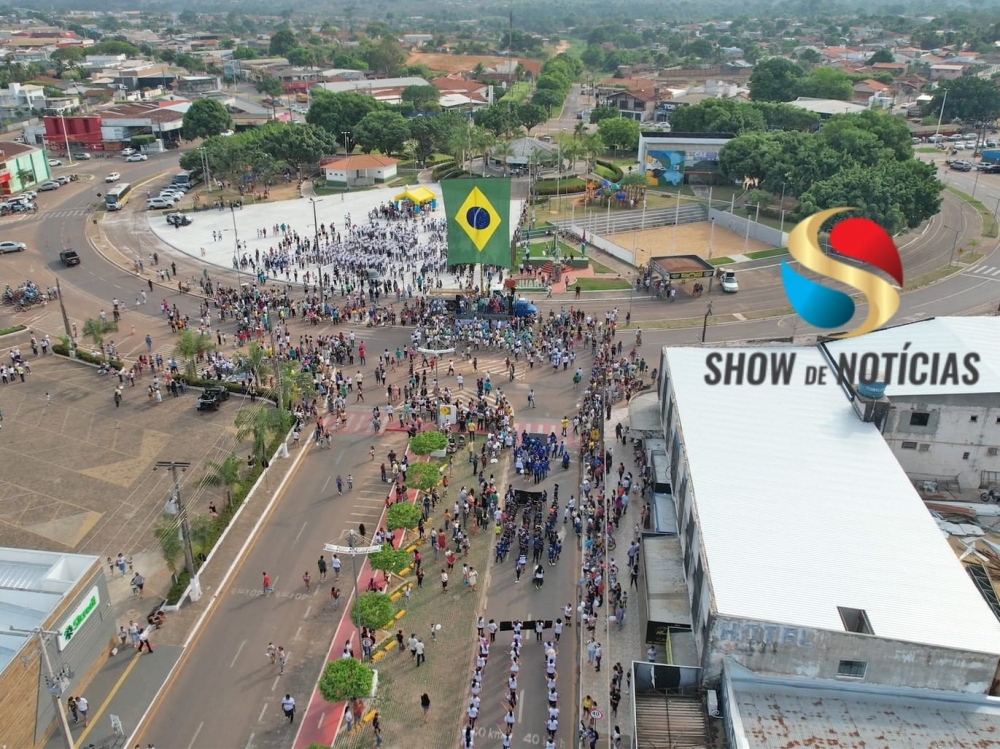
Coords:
167,535
403,515
386,57
826,83
304,57
809,57
717,116
499,119
297,145
190,347
113,47
970,99
622,133
67,54
339,112
244,53
779,116
259,424
282,41
593,57
423,98
386,131
548,98
530,115
603,113
223,475
205,118
270,86
882,55
95,329
389,561
775,79
346,679
373,610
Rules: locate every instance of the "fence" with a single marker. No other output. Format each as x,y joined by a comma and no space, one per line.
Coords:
740,225
615,222
606,245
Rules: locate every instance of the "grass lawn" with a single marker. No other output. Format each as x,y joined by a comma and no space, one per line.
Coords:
926,149
517,93
409,178
14,329
328,190
767,253
601,269
600,284
990,227
720,260
543,247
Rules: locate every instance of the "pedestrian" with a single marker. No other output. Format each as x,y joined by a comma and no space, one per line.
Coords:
83,707
144,640
288,705
377,729
335,597
350,481
425,705
340,485
421,658
138,582
444,581
321,564
283,659
267,584
71,705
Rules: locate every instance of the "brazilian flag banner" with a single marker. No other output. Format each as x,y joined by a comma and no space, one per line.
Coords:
478,215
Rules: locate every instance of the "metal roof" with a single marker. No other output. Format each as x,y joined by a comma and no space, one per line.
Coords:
937,335
804,508
776,713
32,584
827,106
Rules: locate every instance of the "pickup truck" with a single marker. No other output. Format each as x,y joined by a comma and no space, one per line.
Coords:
69,257
211,398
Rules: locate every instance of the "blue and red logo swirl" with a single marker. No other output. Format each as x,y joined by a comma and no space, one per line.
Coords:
856,238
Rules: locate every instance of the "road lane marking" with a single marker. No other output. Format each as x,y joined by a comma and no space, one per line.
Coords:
325,484
238,651
262,711
298,632
322,717
308,609
104,705
301,531
249,742
275,685
520,707
195,737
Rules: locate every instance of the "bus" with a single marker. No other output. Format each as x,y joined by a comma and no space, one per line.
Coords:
116,198
186,179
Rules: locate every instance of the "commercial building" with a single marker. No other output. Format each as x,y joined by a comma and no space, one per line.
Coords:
21,167
806,549
387,90
826,108
946,431
113,128
42,592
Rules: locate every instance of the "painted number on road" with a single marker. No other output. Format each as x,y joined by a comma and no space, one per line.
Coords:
532,738
596,714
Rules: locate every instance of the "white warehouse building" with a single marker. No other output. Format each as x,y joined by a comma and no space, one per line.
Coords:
806,550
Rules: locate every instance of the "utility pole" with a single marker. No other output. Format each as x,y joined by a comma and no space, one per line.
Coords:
185,525
236,249
65,317
704,325
55,683
319,265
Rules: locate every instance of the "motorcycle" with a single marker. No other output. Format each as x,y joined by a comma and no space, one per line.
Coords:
990,496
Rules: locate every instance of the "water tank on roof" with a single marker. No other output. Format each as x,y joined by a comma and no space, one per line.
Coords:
873,390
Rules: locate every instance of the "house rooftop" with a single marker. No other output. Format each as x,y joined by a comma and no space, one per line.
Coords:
361,161
803,508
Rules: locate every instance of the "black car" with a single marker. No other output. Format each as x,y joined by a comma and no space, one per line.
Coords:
178,219
69,257
212,398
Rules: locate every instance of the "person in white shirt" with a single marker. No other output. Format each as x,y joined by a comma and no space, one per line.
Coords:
288,705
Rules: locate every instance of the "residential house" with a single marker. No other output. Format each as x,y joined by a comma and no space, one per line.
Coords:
198,84
387,90
947,72
360,170
417,40
866,89
893,68
459,93
636,104
23,96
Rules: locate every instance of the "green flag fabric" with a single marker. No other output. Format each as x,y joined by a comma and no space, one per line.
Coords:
478,215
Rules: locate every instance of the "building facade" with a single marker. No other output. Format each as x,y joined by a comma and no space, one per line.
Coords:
21,167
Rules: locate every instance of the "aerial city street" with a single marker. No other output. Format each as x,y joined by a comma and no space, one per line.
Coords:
408,379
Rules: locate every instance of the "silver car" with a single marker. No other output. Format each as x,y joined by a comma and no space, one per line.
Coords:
9,246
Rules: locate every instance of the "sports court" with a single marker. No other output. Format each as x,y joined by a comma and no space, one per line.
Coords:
687,239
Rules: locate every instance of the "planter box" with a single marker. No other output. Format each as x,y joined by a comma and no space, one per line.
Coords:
439,454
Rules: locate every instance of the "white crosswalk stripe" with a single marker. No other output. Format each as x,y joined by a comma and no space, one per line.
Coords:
46,215
991,271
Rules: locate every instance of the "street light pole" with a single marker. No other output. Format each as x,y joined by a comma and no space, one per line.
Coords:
172,466
704,325
55,683
319,266
236,247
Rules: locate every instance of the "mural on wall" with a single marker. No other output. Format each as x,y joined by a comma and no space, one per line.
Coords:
667,167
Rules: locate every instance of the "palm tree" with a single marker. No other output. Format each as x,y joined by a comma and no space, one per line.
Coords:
251,364
579,129
95,329
501,151
570,147
225,475
478,70
190,348
296,383
258,424
593,146
482,141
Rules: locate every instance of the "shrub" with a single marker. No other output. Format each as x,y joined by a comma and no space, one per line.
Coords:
425,443
443,168
403,515
181,580
373,610
388,559
566,185
423,476
345,679
13,329
614,172
59,348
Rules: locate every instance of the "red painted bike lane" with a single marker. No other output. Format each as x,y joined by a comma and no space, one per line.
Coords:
321,720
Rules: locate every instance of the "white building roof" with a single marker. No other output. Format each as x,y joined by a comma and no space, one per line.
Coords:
827,106
776,712
803,508
374,84
937,335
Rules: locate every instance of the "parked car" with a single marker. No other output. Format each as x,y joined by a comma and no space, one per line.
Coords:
729,282
159,203
989,168
82,156
61,179
136,157
27,195
178,219
9,246
50,185
55,162
961,166
212,398
113,177
69,257
128,151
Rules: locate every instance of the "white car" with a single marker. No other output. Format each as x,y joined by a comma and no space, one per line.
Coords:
171,195
729,283
158,203
128,151
113,177
55,162
136,157
9,246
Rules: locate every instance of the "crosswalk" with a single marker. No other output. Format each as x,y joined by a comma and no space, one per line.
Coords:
360,422
43,215
985,271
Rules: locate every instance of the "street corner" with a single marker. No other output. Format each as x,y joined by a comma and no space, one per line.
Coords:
78,470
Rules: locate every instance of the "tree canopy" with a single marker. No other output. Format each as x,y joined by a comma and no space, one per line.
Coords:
338,113
205,118
969,98
382,130
739,117
779,79
622,132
